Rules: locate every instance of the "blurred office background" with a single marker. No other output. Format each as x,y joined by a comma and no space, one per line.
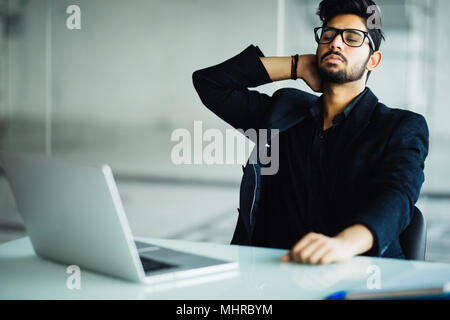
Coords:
114,91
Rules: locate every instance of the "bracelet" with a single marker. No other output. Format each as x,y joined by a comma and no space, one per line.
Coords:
294,62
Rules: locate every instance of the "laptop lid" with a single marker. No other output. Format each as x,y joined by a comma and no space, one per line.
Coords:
73,214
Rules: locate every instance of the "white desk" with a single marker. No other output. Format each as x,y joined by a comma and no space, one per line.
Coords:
261,275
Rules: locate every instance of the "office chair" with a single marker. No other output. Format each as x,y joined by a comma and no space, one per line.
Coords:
413,238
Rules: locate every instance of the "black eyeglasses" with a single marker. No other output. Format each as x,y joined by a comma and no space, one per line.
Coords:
351,37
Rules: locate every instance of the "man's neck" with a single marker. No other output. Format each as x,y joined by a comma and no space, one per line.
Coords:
336,97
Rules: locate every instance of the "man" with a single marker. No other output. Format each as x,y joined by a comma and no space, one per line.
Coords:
350,167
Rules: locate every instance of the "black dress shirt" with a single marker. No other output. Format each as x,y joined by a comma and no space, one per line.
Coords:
296,200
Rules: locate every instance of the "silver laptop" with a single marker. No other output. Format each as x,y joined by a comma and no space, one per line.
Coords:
73,215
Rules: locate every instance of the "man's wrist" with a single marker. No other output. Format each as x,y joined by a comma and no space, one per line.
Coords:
358,238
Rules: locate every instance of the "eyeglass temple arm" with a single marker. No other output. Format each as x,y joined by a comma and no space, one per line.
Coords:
372,44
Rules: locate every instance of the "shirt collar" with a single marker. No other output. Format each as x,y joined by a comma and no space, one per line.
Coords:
316,109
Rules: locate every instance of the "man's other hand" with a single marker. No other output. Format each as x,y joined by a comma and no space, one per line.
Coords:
316,248
307,70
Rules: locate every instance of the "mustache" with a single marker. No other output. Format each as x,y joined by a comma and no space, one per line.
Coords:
336,53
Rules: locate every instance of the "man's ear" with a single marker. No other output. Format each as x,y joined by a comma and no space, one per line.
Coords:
374,60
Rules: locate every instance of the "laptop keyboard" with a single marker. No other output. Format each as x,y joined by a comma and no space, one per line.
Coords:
153,265
150,264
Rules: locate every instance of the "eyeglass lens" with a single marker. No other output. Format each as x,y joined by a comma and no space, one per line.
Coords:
353,38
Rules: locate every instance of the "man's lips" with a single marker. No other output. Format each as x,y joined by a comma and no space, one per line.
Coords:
334,59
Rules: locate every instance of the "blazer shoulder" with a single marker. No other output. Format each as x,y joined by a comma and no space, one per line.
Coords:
288,103
402,121
285,100
399,115
293,95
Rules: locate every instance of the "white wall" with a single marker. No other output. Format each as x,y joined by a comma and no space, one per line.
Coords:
440,110
132,61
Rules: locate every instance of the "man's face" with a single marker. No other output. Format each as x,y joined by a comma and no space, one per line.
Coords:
338,62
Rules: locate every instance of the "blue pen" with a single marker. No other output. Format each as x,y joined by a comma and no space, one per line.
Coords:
438,293
340,295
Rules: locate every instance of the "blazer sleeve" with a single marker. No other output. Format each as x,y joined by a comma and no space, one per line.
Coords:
223,89
396,184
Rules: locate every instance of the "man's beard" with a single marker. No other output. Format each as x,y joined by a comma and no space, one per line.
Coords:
343,76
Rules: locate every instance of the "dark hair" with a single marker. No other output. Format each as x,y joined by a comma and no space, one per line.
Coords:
328,9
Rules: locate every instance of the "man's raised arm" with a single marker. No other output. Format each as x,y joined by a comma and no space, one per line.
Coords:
223,88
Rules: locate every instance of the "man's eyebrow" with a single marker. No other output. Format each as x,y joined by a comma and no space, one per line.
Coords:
360,29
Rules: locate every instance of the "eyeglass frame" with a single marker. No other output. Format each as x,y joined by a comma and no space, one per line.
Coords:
341,32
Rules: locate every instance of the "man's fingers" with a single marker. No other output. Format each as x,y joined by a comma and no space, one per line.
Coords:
316,248
328,257
304,254
303,243
319,253
286,257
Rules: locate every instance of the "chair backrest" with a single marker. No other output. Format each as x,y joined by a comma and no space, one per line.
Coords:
413,238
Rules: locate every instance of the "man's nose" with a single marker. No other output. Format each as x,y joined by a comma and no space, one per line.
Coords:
337,43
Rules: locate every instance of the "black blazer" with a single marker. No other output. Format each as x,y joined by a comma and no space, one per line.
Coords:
379,154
